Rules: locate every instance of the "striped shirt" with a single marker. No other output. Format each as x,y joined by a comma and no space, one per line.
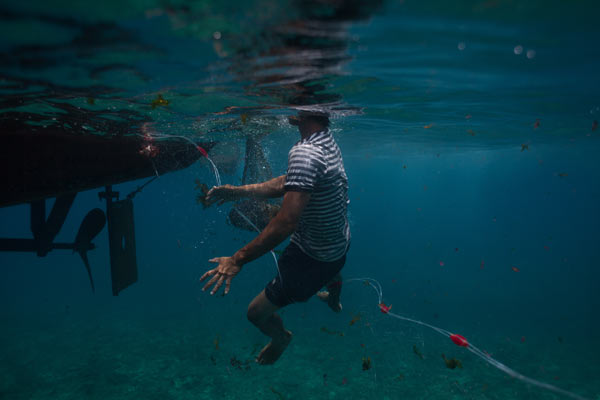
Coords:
315,166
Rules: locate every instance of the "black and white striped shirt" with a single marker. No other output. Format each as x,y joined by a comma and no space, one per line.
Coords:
315,165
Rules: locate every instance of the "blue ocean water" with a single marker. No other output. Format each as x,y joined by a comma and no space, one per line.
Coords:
469,137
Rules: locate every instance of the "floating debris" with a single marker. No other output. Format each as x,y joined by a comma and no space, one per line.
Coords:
366,363
277,393
234,362
355,319
418,352
330,332
452,363
159,101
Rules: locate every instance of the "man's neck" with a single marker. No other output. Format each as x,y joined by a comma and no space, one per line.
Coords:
309,129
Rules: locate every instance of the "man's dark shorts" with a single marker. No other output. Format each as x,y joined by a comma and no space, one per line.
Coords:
300,276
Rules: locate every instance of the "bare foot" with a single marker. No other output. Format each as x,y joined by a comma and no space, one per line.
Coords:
273,350
336,306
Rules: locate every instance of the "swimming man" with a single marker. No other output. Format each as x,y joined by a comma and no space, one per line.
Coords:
314,213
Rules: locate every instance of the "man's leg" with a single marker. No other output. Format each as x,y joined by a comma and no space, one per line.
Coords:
261,312
332,295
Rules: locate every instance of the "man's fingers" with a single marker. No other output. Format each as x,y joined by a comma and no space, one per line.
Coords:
227,284
214,260
213,280
207,274
218,285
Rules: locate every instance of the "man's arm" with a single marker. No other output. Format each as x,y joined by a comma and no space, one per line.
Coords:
265,190
279,228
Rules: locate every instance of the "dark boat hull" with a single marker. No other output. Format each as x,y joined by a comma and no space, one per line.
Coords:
35,166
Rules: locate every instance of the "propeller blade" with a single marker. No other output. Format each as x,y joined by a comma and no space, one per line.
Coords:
90,227
84,257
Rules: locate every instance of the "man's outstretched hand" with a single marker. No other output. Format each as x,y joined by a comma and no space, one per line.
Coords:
225,272
222,194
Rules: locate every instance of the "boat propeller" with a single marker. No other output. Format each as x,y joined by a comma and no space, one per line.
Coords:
91,226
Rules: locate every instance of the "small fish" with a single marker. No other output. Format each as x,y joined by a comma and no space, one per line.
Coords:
563,174
481,265
471,132
159,101
92,101
536,124
468,116
524,147
456,249
366,363
452,363
344,381
178,243
216,342
546,248
522,339
594,125
442,264
417,352
428,126
515,269
404,166
560,339
244,118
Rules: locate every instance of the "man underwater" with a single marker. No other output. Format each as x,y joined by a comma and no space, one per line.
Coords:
314,213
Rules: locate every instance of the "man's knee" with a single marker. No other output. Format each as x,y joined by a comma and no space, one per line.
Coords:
254,314
260,309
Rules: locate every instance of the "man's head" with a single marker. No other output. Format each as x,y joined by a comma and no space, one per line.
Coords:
310,121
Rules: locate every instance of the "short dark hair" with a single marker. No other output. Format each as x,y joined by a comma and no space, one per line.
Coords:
322,118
